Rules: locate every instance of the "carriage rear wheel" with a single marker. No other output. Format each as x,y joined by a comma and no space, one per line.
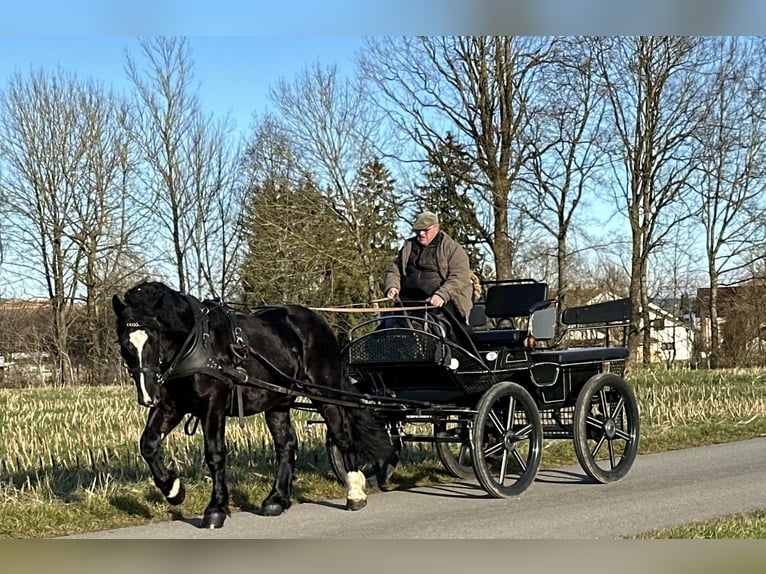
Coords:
376,478
507,440
454,448
606,427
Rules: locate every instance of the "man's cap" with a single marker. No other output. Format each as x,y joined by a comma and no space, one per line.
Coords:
425,220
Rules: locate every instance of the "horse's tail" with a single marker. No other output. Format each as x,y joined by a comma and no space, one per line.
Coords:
370,440
366,440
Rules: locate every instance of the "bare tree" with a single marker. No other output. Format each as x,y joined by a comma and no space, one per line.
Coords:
216,183
190,169
481,90
64,148
331,126
652,89
729,182
565,138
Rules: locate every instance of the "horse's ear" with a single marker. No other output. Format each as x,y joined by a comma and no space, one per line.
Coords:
117,305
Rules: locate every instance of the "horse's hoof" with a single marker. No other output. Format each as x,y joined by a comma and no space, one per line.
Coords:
355,504
213,519
272,509
177,493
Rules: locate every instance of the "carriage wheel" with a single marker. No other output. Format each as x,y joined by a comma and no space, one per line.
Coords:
455,455
606,427
507,440
375,479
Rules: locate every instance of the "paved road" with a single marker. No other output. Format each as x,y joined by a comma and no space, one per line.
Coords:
661,490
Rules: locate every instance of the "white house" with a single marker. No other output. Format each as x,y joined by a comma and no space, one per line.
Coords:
672,340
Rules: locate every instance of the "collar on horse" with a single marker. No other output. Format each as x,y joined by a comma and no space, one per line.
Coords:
197,356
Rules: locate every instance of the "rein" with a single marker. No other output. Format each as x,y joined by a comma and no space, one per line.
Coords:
372,309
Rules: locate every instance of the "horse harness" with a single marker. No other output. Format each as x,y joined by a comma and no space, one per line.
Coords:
197,356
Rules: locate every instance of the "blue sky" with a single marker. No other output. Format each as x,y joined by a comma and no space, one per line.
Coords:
234,73
242,47
353,17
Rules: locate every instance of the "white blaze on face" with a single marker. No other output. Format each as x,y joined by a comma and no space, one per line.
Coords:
138,340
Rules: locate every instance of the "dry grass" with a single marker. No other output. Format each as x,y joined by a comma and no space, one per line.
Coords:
676,398
57,443
69,458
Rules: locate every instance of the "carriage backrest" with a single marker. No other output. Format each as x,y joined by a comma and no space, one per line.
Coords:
617,311
514,298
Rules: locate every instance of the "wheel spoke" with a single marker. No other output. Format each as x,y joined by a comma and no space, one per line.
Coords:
623,435
493,449
492,416
525,432
594,422
611,454
511,412
619,408
603,402
521,461
598,446
503,467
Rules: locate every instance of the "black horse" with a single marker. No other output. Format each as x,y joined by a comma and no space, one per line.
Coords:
206,360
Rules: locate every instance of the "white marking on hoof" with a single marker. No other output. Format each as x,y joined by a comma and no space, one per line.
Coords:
176,489
356,498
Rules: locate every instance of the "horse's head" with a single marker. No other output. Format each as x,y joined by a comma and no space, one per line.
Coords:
151,320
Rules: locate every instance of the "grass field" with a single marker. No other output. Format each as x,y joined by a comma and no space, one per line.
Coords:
69,459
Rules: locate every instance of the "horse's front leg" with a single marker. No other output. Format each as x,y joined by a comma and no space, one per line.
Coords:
285,447
214,428
159,423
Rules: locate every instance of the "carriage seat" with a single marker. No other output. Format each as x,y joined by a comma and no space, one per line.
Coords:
506,302
499,337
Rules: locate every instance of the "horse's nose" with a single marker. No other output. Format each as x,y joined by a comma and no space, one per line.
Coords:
145,399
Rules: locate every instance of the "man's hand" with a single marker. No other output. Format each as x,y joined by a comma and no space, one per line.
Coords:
436,300
392,293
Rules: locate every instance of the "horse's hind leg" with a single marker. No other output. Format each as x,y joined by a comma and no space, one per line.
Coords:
158,424
337,426
285,446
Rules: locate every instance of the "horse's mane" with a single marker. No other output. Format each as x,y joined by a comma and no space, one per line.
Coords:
155,302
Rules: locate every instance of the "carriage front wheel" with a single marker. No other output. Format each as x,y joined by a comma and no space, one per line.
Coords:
507,440
606,427
453,446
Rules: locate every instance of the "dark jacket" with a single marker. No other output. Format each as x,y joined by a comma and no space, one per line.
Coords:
454,269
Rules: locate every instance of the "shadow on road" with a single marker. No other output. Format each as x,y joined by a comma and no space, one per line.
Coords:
559,476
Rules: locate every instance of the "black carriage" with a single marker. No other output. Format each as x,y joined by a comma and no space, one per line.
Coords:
494,391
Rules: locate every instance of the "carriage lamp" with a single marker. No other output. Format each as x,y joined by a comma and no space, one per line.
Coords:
529,342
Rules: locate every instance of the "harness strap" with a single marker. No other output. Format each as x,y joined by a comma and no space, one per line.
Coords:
240,406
